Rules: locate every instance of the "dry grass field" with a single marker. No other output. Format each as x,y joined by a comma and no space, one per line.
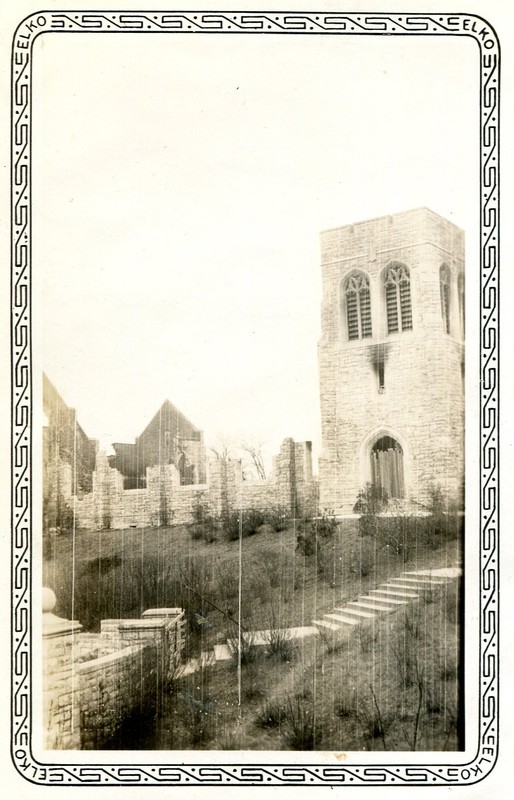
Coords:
390,684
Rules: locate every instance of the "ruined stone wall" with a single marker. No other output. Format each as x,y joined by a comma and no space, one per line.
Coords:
195,455
421,404
259,494
165,502
185,498
65,441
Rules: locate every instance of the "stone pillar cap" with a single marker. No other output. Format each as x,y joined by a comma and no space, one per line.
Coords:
52,624
161,612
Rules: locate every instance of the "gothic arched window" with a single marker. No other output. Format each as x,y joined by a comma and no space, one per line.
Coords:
397,298
444,284
358,306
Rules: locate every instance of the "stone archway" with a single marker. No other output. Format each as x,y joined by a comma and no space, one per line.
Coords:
387,466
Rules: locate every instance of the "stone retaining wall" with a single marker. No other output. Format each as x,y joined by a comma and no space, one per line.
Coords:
93,682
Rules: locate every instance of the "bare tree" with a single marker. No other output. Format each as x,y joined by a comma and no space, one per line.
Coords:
223,450
254,451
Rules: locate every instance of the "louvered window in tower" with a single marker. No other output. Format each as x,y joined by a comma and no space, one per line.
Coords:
444,283
398,299
358,306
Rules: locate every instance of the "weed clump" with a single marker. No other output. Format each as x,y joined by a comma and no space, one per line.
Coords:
300,729
270,715
313,532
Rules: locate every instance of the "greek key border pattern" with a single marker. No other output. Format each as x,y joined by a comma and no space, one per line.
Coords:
272,22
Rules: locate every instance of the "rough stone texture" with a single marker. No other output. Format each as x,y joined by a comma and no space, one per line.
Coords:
93,682
422,405
61,720
64,441
165,501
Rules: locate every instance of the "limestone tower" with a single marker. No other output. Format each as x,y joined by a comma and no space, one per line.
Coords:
391,359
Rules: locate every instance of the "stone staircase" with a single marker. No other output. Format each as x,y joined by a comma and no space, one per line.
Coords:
389,597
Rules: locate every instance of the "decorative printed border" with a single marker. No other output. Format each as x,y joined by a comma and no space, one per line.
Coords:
272,22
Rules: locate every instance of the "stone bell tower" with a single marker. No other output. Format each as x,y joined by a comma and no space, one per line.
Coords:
391,359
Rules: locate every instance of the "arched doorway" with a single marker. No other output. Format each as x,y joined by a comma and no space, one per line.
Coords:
387,466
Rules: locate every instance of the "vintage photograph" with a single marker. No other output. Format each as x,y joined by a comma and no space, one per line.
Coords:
255,281
253,450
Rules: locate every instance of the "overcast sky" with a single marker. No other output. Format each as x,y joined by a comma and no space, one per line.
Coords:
180,187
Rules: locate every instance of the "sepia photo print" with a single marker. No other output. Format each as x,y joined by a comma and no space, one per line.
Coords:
262,255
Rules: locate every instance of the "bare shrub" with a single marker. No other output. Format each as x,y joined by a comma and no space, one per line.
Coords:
374,720
197,715
405,652
428,595
312,533
278,635
346,706
102,565
229,741
333,641
448,670
270,715
252,683
242,648
273,565
361,560
300,729
280,644
367,635
434,699
277,517
325,526
451,601
241,523
226,587
255,587
413,623
371,501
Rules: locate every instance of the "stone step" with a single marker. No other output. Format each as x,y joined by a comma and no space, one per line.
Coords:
322,623
391,593
342,619
422,581
445,573
188,668
371,605
364,614
207,658
222,652
404,587
388,597
389,601
395,586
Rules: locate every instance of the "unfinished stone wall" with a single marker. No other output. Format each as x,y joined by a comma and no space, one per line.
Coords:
65,441
93,682
165,501
259,494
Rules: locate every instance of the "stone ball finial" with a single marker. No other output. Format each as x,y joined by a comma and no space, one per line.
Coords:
49,600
